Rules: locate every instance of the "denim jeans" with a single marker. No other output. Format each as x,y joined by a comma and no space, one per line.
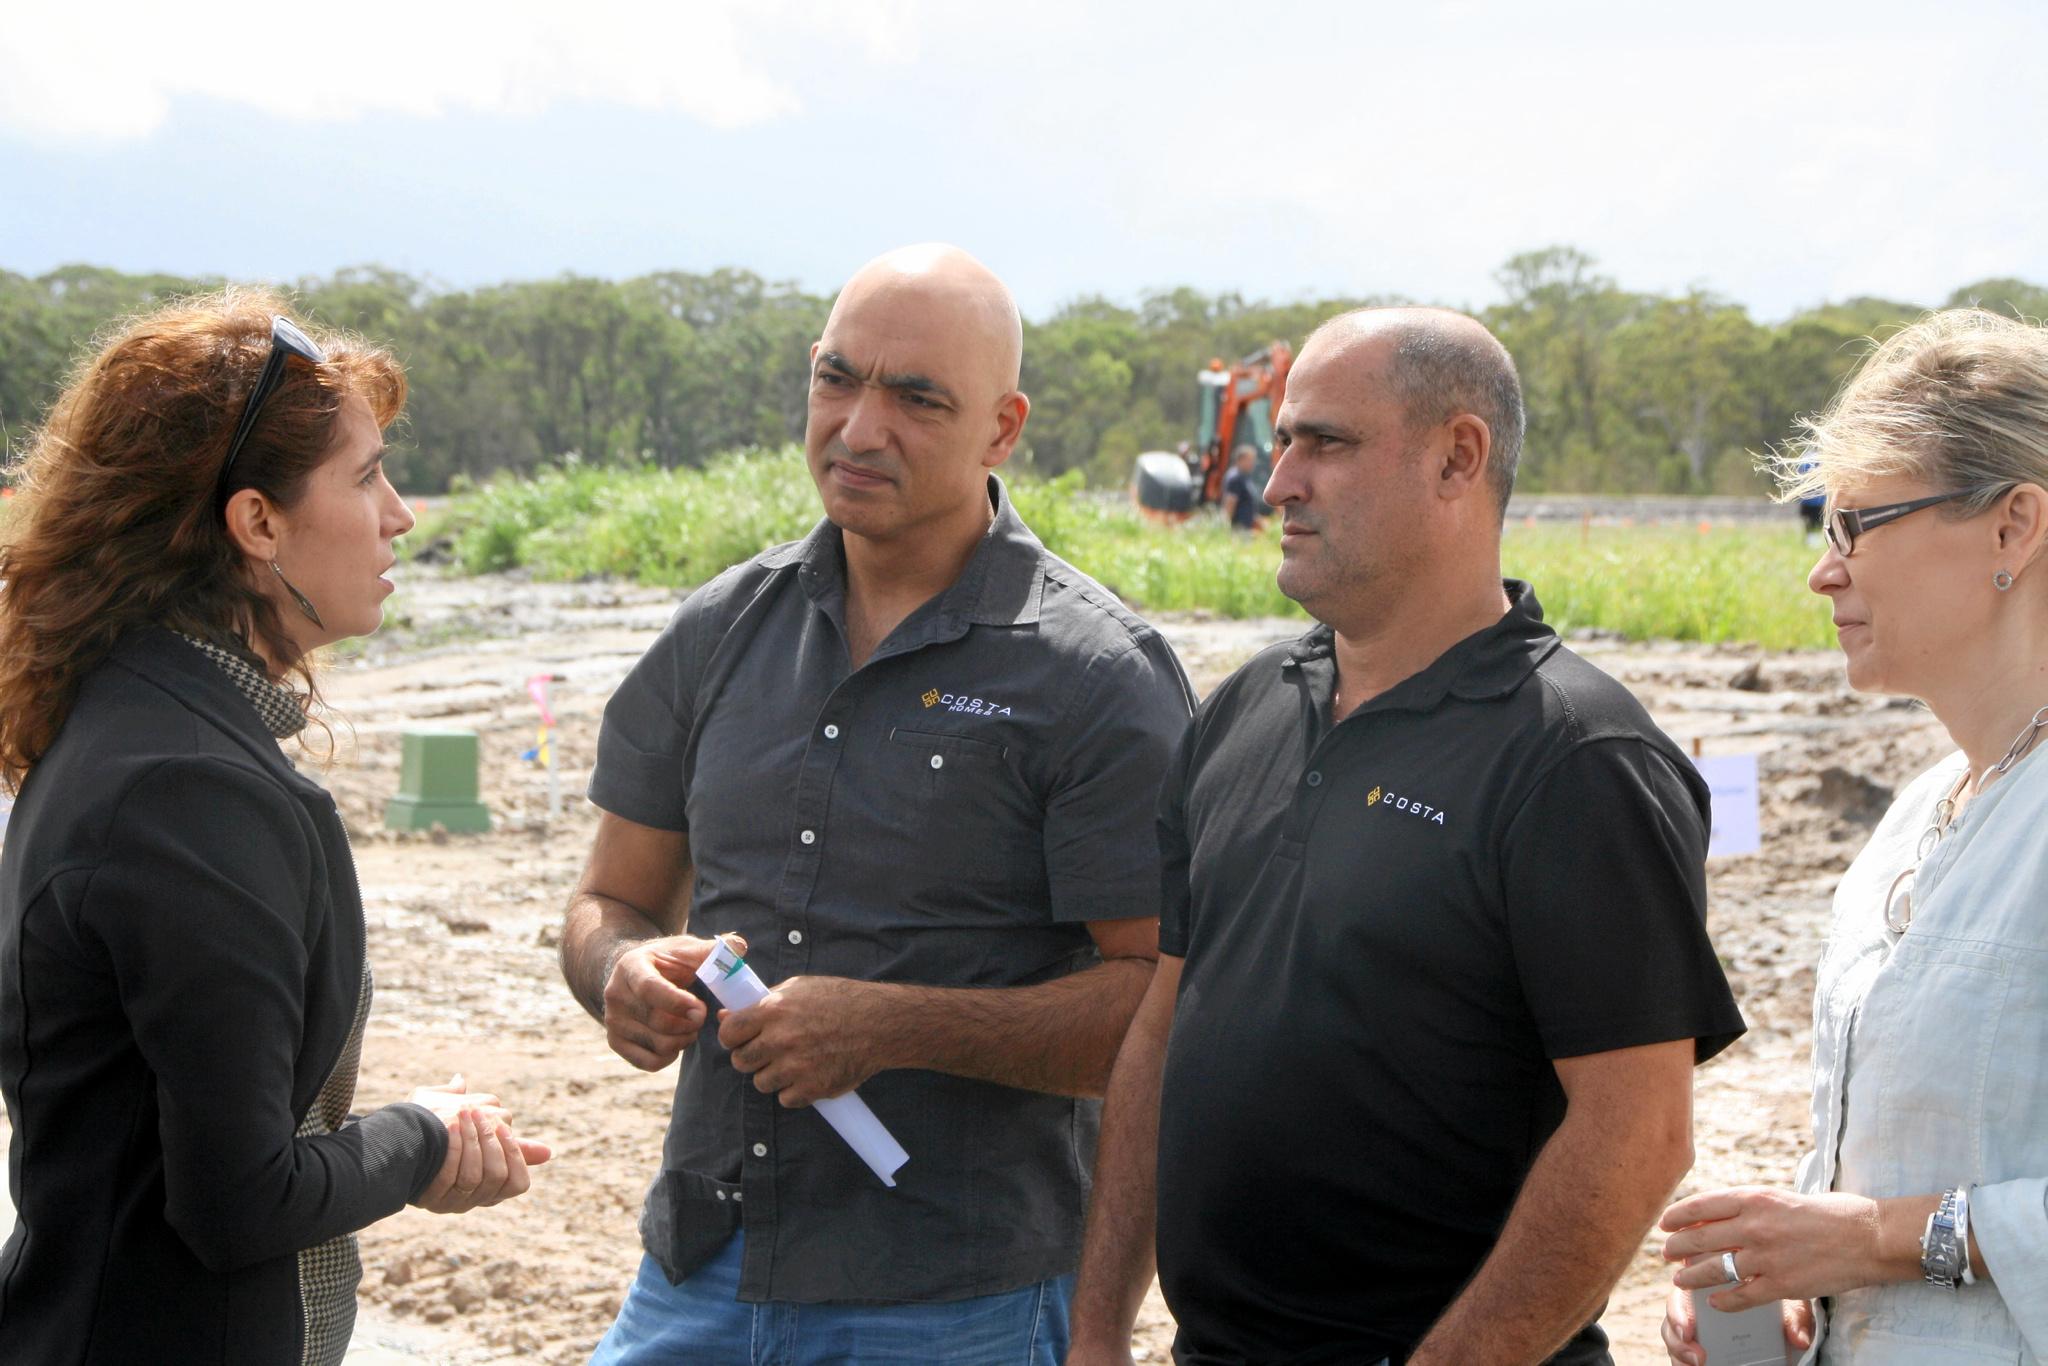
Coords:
700,1321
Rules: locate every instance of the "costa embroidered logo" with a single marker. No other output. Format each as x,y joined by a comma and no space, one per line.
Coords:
963,704
971,706
1394,801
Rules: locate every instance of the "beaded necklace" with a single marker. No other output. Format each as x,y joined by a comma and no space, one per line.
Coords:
1898,902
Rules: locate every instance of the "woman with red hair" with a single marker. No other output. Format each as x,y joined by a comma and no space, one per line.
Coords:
183,982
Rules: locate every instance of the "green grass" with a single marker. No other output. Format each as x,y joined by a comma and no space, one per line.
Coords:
673,527
680,527
1728,583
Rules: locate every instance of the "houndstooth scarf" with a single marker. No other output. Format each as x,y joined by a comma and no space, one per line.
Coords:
277,706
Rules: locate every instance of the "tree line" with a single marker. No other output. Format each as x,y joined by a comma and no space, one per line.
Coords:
1628,392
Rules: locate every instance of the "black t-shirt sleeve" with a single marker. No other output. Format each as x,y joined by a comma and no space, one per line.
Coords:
1101,857
1604,880
1176,894
648,722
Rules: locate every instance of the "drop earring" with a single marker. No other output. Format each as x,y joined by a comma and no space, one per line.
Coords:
2001,581
297,596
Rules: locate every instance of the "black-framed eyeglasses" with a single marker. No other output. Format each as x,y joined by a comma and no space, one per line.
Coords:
285,340
1844,525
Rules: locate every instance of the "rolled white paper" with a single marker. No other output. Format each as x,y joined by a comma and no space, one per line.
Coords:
737,986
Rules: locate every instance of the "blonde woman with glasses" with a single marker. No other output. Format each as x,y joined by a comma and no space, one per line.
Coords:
1917,1231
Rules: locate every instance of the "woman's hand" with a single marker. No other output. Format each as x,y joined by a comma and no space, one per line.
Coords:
486,1163
1787,1246
1681,1337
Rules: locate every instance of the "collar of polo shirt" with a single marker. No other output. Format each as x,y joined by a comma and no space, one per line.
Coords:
1492,662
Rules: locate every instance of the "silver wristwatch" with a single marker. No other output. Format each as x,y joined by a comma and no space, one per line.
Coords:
1945,1245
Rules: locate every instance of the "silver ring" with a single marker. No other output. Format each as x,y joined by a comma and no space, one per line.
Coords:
1733,1277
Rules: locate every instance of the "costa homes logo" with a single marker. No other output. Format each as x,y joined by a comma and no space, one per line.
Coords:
960,702
1394,801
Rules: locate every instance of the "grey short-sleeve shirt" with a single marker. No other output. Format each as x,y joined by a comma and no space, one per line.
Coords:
951,814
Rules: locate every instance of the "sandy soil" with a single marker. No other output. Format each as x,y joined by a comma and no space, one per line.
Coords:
462,935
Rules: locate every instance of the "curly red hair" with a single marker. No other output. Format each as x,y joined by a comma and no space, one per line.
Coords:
117,520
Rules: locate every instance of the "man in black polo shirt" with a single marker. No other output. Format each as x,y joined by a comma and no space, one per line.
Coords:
1434,969
912,761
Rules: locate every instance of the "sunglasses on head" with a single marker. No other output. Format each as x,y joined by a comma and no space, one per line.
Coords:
285,340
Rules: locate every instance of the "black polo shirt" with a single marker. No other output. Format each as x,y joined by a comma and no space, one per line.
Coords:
1391,927
950,814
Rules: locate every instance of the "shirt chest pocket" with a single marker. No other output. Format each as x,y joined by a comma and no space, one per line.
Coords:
959,796
1939,1006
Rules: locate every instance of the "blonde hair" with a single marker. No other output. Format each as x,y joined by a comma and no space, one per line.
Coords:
1958,400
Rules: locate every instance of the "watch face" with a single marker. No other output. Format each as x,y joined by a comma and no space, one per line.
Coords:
1941,1250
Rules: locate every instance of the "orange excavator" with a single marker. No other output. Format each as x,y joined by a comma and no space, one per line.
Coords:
1238,403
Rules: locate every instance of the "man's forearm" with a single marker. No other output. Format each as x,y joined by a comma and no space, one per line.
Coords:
1583,1210
634,889
1118,1250
1059,1036
595,931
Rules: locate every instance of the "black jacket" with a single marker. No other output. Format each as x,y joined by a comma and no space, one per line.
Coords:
181,953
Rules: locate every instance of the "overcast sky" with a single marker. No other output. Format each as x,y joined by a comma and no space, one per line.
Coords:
1778,153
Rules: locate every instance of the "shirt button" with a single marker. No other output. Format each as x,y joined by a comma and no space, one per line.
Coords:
738,1196
1315,779
938,761
796,936
831,732
809,837
760,1150
720,1194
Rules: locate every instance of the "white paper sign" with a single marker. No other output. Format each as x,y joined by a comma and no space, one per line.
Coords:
1738,809
738,986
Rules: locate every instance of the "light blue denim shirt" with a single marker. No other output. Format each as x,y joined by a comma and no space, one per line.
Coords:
1928,1057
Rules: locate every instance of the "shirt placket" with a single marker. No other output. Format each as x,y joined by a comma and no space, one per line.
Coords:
1845,1008
1855,988
761,1115
1312,786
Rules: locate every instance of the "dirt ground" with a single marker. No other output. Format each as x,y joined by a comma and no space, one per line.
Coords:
462,936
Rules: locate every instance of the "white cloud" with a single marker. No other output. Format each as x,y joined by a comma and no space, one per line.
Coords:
111,72
1416,152
1780,154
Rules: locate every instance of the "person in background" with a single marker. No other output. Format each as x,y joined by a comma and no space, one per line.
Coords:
1241,491
1917,1227
183,984
1415,1071
1812,505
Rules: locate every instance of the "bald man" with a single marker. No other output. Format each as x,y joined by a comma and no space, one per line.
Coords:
911,760
1415,1069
